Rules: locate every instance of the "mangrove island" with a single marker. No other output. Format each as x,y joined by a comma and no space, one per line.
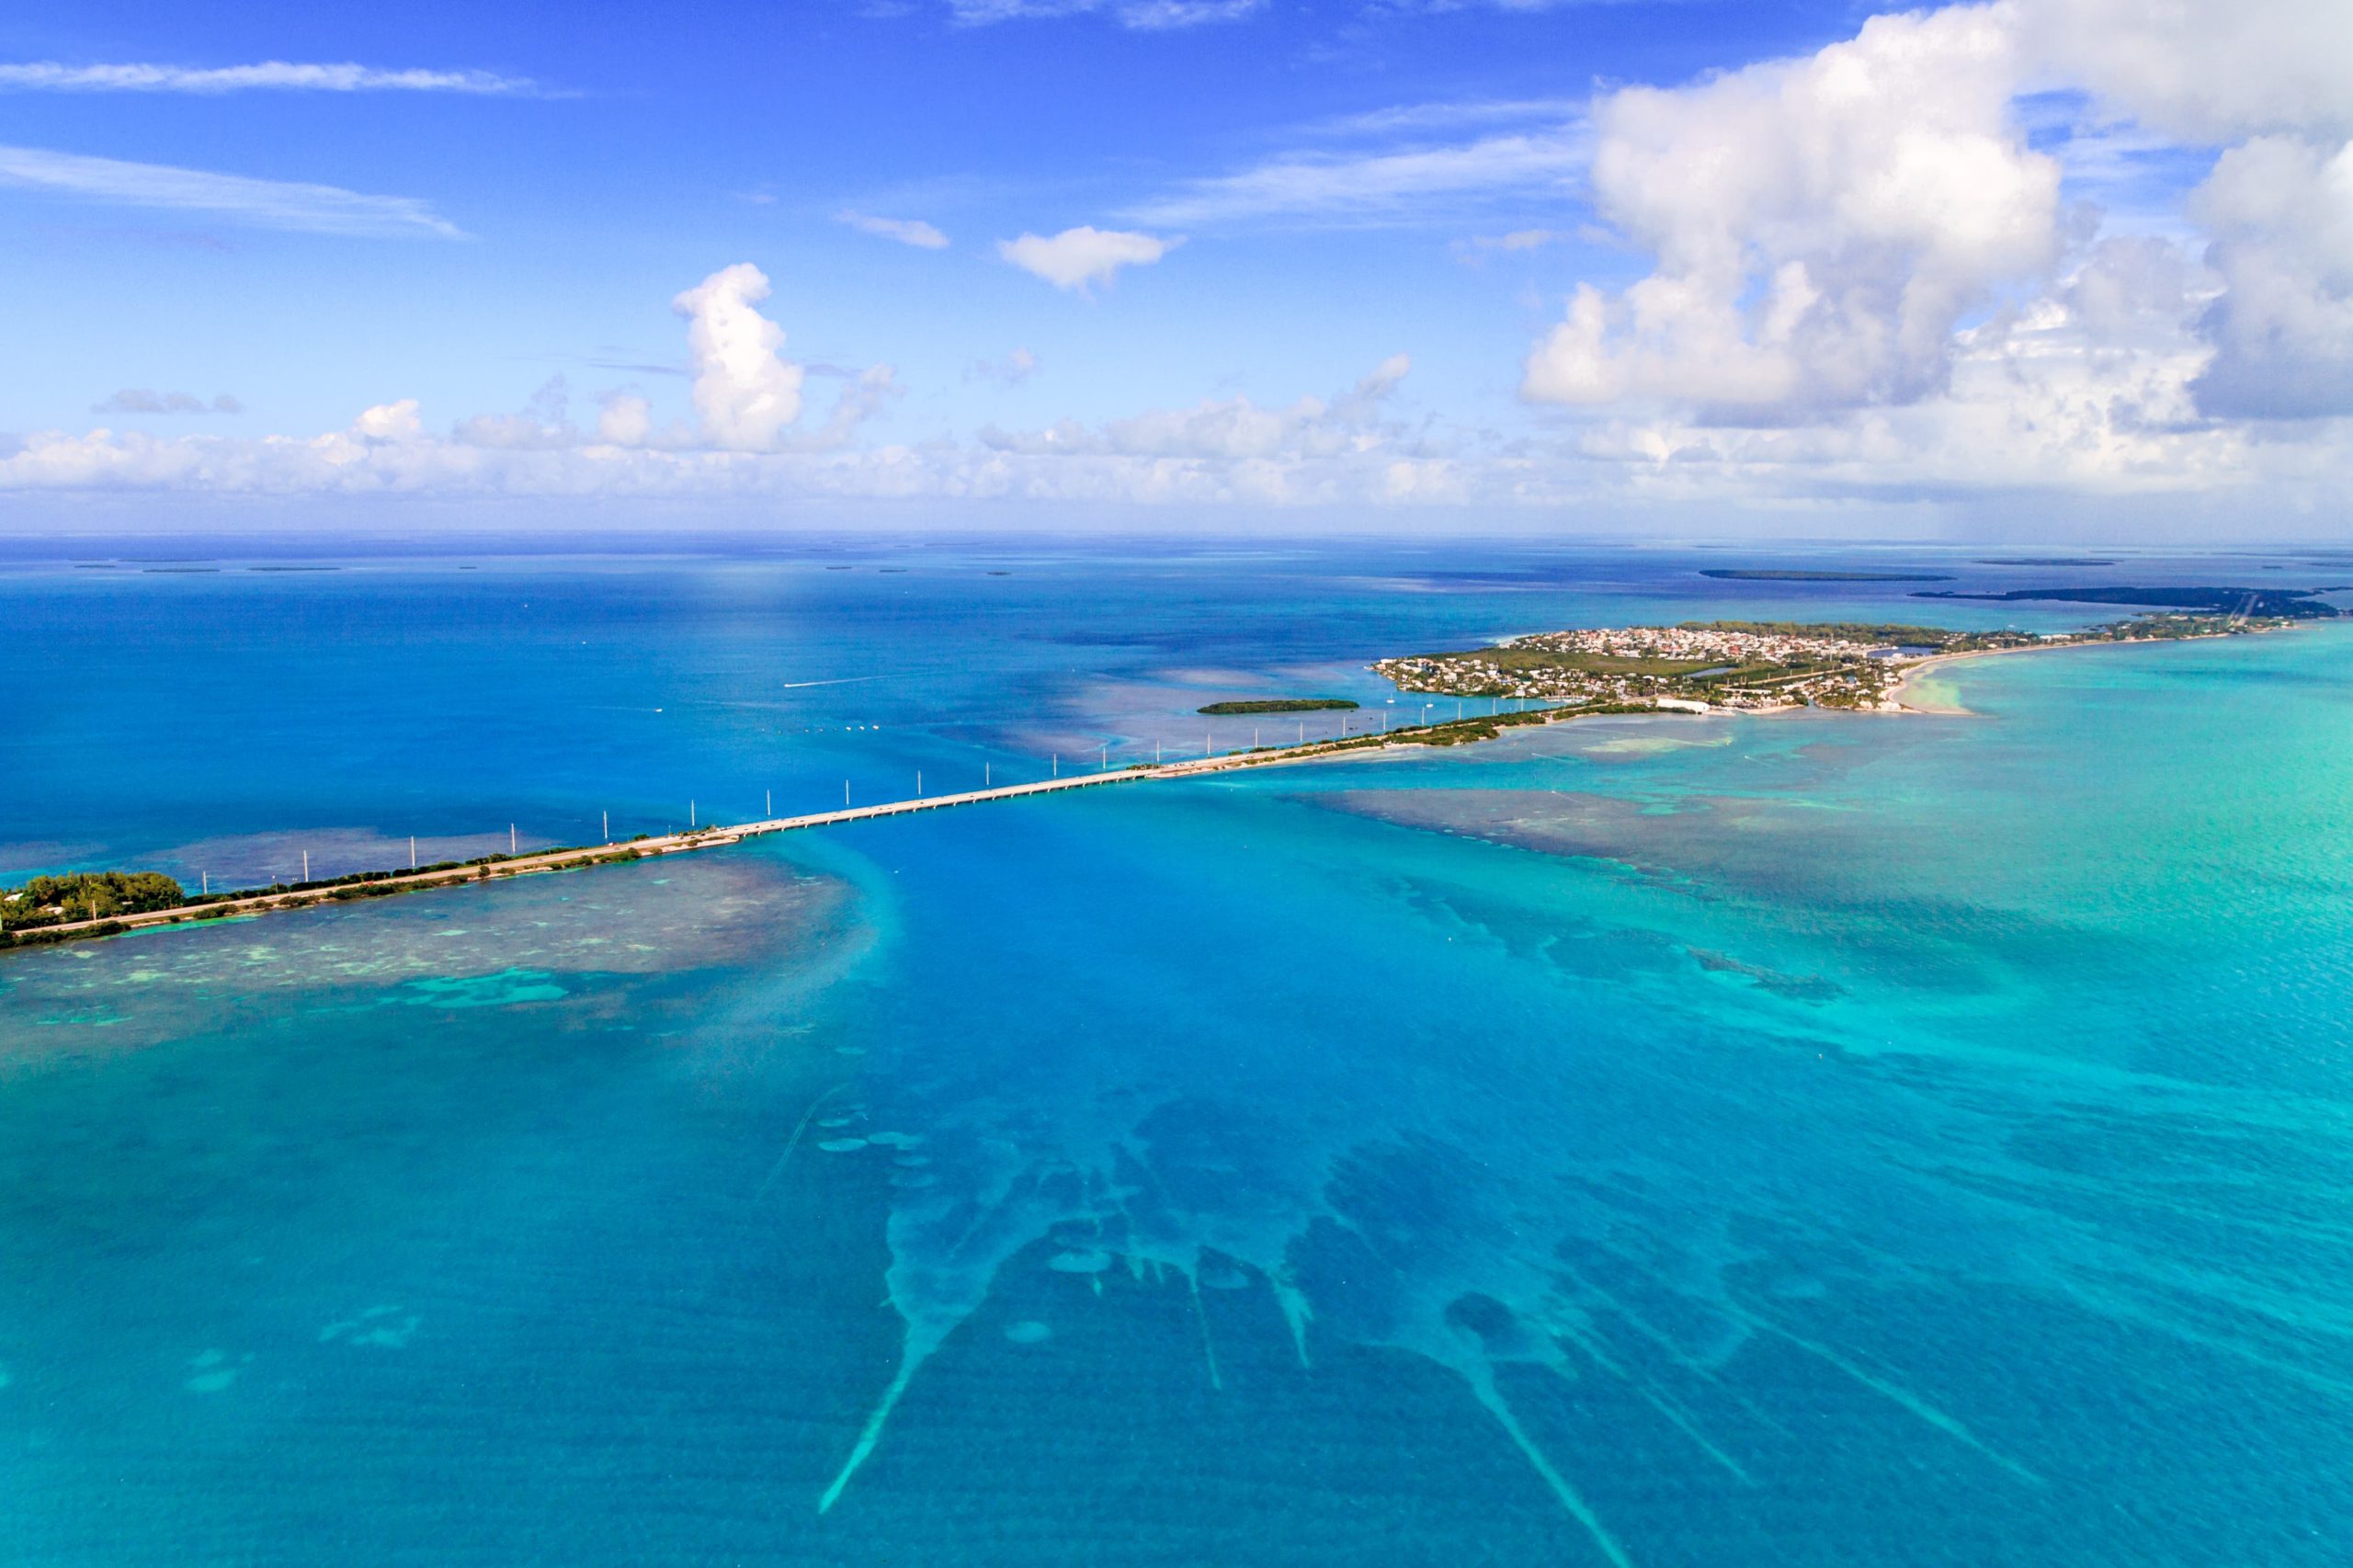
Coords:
1278,705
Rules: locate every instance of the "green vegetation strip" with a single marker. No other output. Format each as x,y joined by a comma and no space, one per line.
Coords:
1832,631
1278,705
1746,574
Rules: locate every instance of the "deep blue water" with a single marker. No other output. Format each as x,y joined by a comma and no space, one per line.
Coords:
1811,1139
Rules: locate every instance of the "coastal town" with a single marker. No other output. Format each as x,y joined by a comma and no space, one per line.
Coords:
1751,667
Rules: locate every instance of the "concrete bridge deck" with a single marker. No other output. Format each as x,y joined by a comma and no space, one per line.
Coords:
667,844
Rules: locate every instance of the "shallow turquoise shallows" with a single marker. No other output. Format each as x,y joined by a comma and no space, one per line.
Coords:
1809,1138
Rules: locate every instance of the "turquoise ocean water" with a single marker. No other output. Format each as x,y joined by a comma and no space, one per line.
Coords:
1802,1139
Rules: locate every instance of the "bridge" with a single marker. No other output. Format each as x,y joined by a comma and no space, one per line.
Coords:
713,838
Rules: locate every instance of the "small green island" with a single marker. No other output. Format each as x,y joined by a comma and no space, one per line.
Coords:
1764,575
1278,705
85,895
2269,604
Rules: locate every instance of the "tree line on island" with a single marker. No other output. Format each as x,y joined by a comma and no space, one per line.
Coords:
1276,705
87,895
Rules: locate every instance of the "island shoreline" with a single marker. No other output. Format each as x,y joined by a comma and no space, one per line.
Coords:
1919,667
1469,731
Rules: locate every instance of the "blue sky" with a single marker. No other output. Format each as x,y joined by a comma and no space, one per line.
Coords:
235,229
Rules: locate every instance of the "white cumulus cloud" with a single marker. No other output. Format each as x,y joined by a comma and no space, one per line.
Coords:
625,419
745,391
2280,211
1079,259
545,426
863,397
2271,83
390,421
1820,225
2209,70
1823,229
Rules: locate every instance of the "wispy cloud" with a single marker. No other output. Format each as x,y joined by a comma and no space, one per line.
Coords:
1154,15
269,204
1479,247
1143,16
1385,184
1444,115
1441,7
268,75
1012,370
616,360
906,230
139,400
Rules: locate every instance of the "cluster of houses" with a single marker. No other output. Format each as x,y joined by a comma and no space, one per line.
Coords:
1692,668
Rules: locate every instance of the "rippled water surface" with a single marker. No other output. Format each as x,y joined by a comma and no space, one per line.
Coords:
1806,1139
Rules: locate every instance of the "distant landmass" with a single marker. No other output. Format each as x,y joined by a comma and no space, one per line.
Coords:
1276,705
2040,560
1747,574
2291,603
